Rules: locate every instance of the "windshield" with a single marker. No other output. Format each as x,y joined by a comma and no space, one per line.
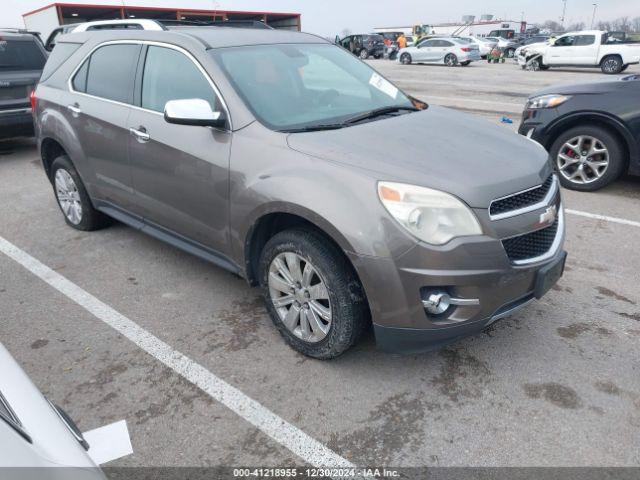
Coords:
289,87
20,55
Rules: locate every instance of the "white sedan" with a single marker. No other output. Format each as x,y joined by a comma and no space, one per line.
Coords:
445,51
485,46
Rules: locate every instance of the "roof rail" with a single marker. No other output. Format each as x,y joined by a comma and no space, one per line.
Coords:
257,24
18,30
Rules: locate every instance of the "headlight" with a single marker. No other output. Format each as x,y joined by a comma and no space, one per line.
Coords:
430,215
547,101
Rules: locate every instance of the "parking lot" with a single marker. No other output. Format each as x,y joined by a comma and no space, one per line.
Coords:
558,384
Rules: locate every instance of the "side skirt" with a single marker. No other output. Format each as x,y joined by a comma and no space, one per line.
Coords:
170,237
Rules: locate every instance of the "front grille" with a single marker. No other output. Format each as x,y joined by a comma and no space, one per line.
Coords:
521,200
531,245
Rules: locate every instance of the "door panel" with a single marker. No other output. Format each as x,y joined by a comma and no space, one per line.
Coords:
99,112
180,173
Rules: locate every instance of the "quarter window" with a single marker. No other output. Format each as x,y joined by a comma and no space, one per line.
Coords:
109,73
171,75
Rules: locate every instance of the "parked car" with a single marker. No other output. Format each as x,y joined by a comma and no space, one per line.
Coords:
484,46
590,48
35,433
364,46
591,130
447,51
508,46
131,23
268,153
22,58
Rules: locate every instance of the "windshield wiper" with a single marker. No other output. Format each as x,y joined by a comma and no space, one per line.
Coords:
314,128
378,112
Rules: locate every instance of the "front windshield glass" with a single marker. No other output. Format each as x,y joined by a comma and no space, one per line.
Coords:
289,87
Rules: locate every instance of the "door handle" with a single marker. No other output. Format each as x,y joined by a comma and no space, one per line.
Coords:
141,134
75,110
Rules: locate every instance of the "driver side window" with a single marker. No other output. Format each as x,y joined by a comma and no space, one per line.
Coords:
171,75
565,41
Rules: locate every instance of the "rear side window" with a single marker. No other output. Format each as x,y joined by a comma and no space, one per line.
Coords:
20,55
60,55
110,73
584,40
171,75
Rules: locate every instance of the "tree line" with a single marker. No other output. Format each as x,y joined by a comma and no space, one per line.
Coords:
622,24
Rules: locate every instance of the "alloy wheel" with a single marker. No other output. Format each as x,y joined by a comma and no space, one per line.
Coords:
583,159
451,60
611,65
68,196
300,297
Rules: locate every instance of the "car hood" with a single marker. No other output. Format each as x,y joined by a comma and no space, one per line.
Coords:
437,148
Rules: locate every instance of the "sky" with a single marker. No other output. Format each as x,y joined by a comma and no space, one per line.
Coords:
331,17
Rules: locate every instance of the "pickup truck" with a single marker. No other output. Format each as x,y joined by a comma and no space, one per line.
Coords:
610,52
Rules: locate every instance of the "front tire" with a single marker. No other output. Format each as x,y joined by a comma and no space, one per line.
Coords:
405,59
509,52
588,158
312,294
451,60
73,199
611,65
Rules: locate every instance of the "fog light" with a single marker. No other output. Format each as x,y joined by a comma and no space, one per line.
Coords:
436,302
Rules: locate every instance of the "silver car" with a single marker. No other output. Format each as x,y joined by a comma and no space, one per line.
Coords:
484,45
34,433
448,51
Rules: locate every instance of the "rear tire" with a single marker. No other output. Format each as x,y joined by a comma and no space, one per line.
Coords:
73,199
451,60
611,65
295,311
405,59
364,54
562,155
466,64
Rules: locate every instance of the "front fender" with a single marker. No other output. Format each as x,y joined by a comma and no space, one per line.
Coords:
340,200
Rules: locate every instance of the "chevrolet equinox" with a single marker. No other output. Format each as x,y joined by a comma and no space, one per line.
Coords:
282,158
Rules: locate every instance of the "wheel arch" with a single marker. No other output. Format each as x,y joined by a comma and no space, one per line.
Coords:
50,149
276,218
596,119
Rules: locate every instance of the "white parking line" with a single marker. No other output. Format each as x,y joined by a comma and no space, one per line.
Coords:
286,434
595,216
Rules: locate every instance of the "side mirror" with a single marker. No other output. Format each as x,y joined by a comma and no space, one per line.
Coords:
193,111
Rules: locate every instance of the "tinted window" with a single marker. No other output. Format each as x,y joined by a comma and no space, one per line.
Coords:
170,75
80,79
111,72
428,43
565,41
444,43
583,40
58,57
20,55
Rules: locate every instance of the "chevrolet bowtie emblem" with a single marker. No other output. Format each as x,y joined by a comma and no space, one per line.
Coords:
549,216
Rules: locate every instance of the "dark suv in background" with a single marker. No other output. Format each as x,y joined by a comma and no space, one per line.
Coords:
22,58
364,46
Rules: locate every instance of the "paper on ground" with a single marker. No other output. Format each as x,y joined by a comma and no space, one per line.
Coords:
109,442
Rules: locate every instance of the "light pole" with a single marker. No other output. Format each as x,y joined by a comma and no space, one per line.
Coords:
564,12
593,18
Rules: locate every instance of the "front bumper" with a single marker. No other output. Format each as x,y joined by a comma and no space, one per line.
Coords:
476,268
535,123
16,123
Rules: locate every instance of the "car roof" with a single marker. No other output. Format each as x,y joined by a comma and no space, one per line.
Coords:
17,35
209,36
224,37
